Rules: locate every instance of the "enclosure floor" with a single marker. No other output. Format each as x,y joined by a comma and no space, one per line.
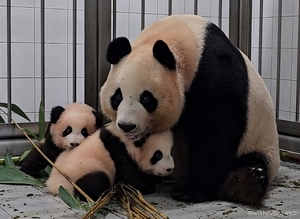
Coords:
283,201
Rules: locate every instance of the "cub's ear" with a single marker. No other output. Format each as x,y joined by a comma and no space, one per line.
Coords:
117,49
163,54
55,113
99,118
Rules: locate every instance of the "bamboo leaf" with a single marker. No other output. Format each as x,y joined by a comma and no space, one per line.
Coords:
69,199
16,110
42,124
32,134
1,119
25,153
9,162
14,176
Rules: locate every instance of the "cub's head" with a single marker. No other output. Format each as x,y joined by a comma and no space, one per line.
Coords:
71,125
155,154
143,92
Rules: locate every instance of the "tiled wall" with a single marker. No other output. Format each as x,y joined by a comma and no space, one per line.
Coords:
58,48
289,45
26,50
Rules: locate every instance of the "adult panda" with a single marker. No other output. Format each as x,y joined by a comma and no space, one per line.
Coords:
108,157
183,73
68,127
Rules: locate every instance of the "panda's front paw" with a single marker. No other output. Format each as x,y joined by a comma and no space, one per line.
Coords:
180,193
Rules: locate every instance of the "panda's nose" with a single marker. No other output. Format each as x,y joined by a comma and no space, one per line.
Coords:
127,127
74,144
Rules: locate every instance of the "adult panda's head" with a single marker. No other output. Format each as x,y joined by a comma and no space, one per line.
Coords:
143,92
69,126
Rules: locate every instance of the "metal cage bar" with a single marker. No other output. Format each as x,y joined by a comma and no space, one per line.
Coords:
195,7
74,50
220,14
260,31
43,52
298,71
9,61
143,7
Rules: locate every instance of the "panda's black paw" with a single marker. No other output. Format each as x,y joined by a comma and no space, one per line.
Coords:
180,193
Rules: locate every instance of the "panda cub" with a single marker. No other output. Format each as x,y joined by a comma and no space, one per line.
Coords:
108,157
68,127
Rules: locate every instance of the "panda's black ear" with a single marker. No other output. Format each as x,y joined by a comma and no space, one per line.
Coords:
163,54
99,118
117,49
55,113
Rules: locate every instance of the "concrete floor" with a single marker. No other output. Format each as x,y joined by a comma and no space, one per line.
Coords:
283,201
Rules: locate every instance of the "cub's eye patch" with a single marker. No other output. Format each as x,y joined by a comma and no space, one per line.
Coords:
157,156
67,131
148,101
84,132
116,99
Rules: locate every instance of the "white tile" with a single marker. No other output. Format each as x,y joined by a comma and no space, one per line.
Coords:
255,32
274,32
79,61
162,7
295,32
296,7
23,93
273,91
3,27
274,63
286,64
161,16
287,32
22,24
292,116
213,20
123,6
288,8
267,33
293,96
285,95
267,83
150,18
22,3
135,6
57,4
294,64
225,8
37,25
55,26
268,8
3,2
22,59
134,27
55,86
204,8
122,24
266,63
80,27
79,90
225,26
80,5
254,57
151,6
37,60
214,8
56,60
188,6
284,115
3,61
3,90
255,9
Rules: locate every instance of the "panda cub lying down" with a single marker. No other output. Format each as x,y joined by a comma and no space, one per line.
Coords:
108,157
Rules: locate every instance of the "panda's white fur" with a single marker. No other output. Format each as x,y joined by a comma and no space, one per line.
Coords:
209,93
93,157
68,127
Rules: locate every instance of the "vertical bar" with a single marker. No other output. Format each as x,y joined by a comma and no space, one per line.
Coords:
143,14
74,49
234,17
298,70
114,20
170,7
278,57
8,61
195,7
43,52
220,14
245,27
260,37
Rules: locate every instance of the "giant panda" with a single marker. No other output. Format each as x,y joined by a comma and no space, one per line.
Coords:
67,128
108,157
183,73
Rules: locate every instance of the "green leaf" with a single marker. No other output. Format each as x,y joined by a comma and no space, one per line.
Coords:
16,110
10,175
25,153
1,119
69,199
32,134
9,162
42,124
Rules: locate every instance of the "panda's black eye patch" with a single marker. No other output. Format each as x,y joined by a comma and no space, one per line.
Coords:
157,156
67,131
148,101
116,99
84,132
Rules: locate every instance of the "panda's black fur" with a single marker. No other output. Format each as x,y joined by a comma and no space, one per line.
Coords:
34,161
208,92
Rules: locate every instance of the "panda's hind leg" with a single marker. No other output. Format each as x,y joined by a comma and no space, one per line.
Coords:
93,184
248,183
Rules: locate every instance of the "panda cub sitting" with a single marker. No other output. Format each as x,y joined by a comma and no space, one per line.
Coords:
108,157
68,127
